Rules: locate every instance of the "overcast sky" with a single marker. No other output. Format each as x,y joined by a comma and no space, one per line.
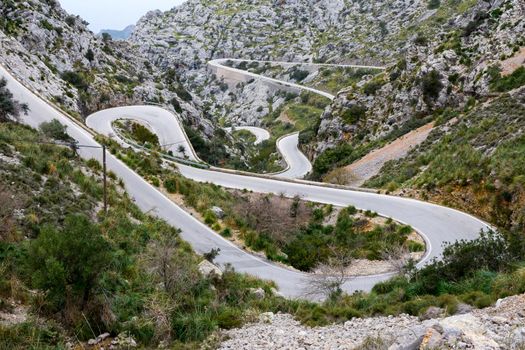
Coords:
114,14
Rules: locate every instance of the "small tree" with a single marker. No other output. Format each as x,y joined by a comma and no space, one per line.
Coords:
10,109
398,256
106,37
182,150
329,278
431,85
67,263
54,129
90,55
174,268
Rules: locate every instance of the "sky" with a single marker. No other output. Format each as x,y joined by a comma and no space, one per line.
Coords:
114,14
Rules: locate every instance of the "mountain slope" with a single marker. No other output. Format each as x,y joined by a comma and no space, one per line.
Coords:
119,34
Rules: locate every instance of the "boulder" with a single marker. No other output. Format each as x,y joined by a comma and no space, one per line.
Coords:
208,269
266,317
517,340
219,213
410,339
463,309
259,293
432,312
432,340
276,293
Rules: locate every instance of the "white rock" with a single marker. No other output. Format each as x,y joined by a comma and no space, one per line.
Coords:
208,269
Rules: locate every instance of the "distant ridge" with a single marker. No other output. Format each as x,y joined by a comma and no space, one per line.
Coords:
119,34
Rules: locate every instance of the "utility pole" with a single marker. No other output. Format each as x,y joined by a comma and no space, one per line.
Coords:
105,179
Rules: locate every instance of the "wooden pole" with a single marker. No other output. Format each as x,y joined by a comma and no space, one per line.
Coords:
105,179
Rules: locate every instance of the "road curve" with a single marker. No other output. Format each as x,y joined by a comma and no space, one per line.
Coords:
158,119
436,223
259,133
298,165
169,131
219,64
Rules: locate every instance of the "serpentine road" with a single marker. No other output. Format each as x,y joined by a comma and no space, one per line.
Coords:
436,223
259,133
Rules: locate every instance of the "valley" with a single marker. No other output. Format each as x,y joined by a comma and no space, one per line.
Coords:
364,165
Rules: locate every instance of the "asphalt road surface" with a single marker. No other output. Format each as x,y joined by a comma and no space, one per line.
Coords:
436,223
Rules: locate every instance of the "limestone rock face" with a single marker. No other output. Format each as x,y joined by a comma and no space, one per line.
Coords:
197,31
55,54
406,89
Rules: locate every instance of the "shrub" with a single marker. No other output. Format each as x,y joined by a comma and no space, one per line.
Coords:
183,93
75,79
176,105
353,113
431,85
434,4
195,326
46,25
229,318
67,263
54,129
510,82
90,55
299,75
9,107
226,232
329,158
143,135
372,87
210,218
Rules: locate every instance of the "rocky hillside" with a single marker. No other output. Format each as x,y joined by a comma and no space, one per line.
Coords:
452,70
498,327
190,35
289,30
55,54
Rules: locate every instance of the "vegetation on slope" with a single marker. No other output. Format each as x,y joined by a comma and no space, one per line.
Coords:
474,162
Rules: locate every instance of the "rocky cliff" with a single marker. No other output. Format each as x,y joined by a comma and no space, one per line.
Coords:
55,54
190,35
450,70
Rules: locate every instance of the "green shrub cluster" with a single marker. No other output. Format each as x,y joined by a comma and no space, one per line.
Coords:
144,135
509,82
482,154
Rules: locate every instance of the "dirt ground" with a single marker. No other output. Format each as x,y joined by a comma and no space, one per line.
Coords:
511,64
370,165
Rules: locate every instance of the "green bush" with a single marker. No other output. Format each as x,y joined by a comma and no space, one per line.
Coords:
68,263
229,318
55,130
192,326
76,79
210,218
330,158
143,135
431,85
171,184
509,82
353,114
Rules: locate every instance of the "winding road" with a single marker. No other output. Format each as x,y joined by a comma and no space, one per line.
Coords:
437,224
259,133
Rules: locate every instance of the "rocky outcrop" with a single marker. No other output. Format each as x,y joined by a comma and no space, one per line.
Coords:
190,35
436,72
55,54
498,327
